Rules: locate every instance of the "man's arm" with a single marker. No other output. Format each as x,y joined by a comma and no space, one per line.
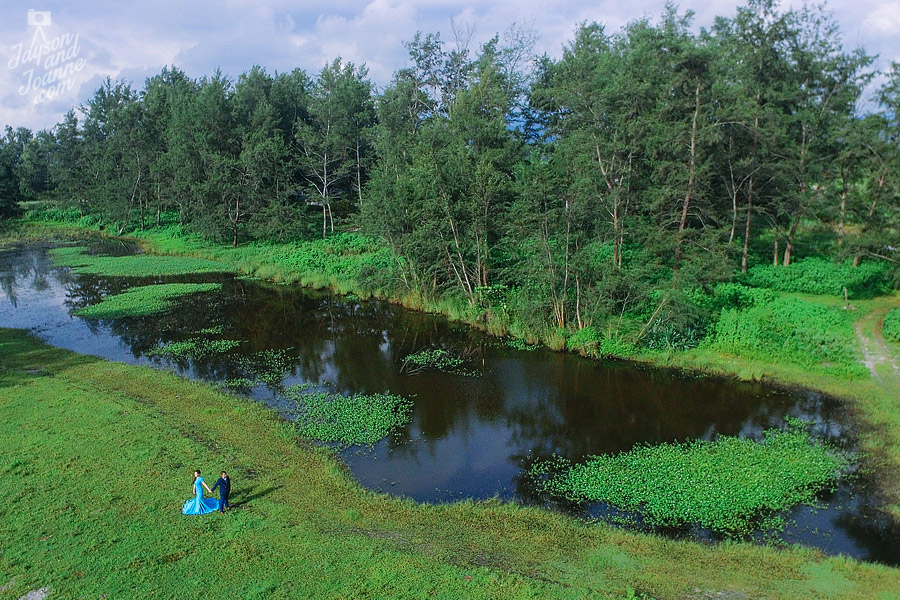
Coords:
215,486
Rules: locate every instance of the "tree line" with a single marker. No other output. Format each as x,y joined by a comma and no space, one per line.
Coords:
639,167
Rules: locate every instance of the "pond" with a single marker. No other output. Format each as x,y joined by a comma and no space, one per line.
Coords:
472,435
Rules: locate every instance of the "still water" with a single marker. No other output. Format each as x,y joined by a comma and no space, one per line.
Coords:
471,436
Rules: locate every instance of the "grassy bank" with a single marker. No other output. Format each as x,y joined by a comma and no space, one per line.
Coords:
95,461
796,339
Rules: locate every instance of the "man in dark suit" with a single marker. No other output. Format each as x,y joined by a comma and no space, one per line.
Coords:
224,485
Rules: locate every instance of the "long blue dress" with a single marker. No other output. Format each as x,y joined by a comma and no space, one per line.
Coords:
198,505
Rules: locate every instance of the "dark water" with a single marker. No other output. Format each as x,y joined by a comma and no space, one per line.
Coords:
470,436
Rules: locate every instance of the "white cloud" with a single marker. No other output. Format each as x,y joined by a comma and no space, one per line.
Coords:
136,39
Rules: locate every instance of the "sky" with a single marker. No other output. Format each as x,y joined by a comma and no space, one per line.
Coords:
57,52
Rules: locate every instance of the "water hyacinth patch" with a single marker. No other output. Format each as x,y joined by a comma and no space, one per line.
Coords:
437,359
726,485
139,265
194,348
143,300
359,419
268,367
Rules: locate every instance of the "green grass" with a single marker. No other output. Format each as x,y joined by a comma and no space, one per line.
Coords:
141,265
143,300
344,263
96,460
728,485
358,419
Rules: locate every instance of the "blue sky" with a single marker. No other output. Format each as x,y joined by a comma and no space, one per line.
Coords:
87,41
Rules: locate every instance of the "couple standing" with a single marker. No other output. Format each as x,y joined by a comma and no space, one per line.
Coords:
198,505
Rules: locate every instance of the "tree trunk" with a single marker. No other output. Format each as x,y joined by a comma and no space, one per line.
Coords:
747,231
790,241
691,179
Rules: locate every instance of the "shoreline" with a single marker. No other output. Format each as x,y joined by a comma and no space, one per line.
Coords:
301,524
873,406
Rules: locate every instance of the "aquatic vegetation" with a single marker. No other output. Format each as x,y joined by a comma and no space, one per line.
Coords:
439,359
519,344
348,420
143,300
726,485
268,367
138,265
216,330
194,348
240,384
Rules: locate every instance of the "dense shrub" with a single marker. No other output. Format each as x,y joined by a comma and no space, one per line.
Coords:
892,325
789,330
822,276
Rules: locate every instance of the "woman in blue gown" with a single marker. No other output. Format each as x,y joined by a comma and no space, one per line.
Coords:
198,505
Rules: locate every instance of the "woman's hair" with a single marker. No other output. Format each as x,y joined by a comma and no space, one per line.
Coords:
196,473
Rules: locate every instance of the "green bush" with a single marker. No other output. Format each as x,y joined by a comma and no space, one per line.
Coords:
726,485
822,276
735,295
584,338
891,328
789,330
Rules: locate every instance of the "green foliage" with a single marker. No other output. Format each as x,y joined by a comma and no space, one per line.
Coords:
737,296
891,328
268,367
586,337
725,485
348,420
789,330
194,348
437,358
520,344
140,265
143,300
822,276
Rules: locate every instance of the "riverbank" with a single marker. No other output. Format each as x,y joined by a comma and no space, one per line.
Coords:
96,460
339,263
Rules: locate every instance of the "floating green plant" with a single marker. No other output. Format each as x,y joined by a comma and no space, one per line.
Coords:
348,420
138,265
193,348
437,359
143,300
269,367
727,485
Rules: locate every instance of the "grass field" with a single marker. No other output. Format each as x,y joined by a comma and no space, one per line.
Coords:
95,462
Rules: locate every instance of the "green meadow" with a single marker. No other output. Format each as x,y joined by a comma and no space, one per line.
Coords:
96,460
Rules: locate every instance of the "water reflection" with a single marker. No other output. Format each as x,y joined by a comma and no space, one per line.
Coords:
470,436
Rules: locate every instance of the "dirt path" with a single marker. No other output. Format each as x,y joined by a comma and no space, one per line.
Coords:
875,350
